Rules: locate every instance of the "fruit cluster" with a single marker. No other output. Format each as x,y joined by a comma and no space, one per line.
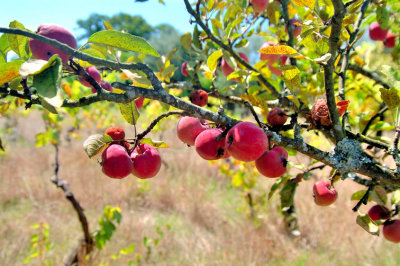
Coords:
376,33
245,142
391,227
118,160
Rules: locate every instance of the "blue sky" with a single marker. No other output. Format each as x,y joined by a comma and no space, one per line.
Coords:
66,13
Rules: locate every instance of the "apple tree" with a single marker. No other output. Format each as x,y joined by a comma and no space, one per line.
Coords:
316,79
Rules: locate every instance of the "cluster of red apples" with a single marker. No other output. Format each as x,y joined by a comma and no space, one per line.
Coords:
119,161
245,142
376,33
391,227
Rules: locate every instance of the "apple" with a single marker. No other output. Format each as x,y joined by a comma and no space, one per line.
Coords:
146,161
246,141
378,212
391,230
283,59
272,163
390,41
94,73
296,27
376,33
324,193
189,128
44,51
226,69
199,97
116,162
105,85
277,117
116,133
208,148
270,58
184,69
259,6
139,102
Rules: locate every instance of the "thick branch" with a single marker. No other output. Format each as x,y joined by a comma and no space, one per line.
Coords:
334,39
289,27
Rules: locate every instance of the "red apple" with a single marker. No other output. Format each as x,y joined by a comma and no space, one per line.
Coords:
378,212
116,133
390,41
226,69
189,128
272,163
259,6
270,58
276,117
246,141
116,162
324,193
105,85
184,69
44,51
208,148
296,27
146,161
376,33
391,230
139,102
199,97
283,59
94,73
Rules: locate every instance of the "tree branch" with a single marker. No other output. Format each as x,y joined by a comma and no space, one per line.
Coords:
334,39
372,75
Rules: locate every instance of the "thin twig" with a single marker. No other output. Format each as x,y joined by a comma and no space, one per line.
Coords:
381,112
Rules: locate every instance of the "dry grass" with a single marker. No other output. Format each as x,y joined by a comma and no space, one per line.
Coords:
189,195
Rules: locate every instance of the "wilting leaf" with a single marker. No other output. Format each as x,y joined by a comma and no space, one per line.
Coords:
9,71
390,97
367,224
96,143
379,195
287,194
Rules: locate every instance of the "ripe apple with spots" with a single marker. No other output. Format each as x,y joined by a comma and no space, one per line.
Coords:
273,163
208,148
277,117
378,212
199,97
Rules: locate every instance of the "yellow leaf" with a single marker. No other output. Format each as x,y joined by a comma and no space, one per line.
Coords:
306,3
279,49
208,74
390,97
337,60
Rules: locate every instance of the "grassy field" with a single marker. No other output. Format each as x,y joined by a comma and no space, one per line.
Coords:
207,217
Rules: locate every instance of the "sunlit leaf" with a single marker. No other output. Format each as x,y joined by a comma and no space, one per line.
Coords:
382,16
154,143
129,112
306,3
212,60
186,41
395,197
279,49
390,97
18,43
9,71
123,41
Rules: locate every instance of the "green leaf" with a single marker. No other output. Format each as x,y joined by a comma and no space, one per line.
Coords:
128,250
96,143
358,195
196,38
367,224
48,81
123,41
154,143
129,112
382,15
212,60
94,53
379,195
322,46
210,4
9,71
291,77
287,194
278,183
186,41
48,106
395,197
18,43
